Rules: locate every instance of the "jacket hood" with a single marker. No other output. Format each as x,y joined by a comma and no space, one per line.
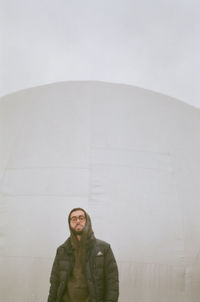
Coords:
87,233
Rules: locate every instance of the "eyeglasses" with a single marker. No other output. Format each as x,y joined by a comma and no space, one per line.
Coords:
75,218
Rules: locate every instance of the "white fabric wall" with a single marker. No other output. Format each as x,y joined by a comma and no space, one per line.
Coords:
130,157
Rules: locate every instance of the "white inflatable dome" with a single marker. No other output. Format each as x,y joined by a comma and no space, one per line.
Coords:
130,157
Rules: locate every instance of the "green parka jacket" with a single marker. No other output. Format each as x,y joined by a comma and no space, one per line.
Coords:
101,271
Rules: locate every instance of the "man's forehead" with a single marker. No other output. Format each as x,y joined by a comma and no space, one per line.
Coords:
77,213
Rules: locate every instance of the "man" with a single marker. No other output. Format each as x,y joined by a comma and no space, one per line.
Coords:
84,269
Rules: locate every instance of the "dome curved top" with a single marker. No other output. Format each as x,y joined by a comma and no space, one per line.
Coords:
89,85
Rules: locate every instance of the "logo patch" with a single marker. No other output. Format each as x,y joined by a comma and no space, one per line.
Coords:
99,253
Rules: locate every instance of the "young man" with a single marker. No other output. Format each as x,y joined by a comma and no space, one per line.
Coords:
84,269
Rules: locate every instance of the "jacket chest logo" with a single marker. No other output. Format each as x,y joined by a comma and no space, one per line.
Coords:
99,253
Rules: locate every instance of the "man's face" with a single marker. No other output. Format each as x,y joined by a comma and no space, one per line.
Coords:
77,221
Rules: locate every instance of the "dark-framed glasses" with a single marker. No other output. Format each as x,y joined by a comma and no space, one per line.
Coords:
75,218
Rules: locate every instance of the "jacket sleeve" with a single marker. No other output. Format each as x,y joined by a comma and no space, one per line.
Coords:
111,277
53,281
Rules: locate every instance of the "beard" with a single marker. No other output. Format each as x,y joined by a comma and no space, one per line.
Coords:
79,232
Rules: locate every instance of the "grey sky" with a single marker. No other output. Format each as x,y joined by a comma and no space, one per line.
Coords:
150,44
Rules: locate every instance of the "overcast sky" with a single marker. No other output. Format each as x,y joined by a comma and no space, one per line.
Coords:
151,44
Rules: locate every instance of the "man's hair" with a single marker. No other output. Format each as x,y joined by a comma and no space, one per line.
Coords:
76,209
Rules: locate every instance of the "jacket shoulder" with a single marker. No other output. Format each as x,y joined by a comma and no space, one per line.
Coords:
65,246
102,244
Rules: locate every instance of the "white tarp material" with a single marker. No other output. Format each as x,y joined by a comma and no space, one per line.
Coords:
130,157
